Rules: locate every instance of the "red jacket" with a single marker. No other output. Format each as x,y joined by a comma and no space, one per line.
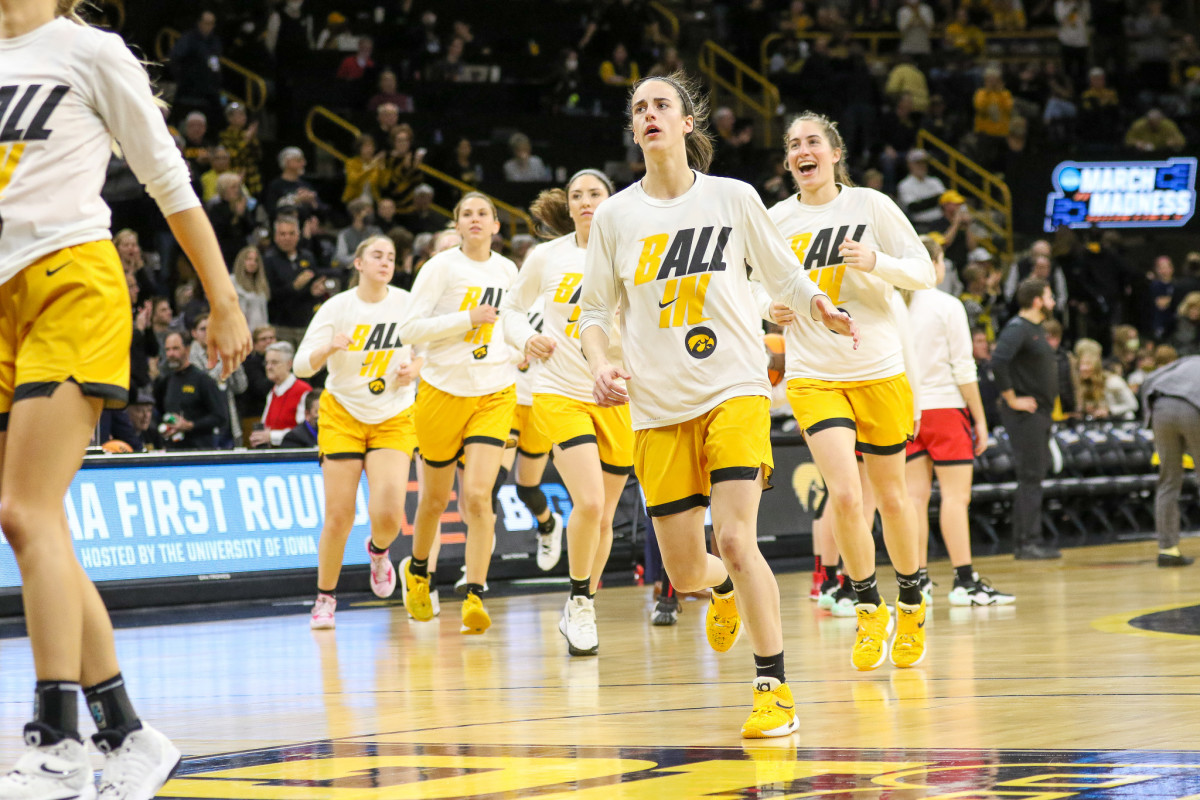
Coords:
283,411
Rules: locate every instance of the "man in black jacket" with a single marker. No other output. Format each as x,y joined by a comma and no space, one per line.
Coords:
1026,373
190,397
305,434
195,65
296,288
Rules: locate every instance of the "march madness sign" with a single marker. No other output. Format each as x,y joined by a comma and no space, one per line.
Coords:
1122,194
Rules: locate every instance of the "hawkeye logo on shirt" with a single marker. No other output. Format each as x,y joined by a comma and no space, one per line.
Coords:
21,121
481,296
686,260
820,258
568,292
380,342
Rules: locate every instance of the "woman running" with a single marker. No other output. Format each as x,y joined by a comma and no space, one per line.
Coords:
953,431
670,252
593,446
366,417
467,400
65,332
856,245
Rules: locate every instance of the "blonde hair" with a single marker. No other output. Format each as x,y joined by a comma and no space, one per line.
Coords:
1190,300
841,173
69,9
365,243
256,283
468,196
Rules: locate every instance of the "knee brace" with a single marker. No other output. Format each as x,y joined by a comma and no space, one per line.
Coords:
533,498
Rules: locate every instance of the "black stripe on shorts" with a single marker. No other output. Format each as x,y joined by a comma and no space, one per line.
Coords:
733,474
954,462
613,469
825,424
484,440
114,396
529,454
880,449
440,464
587,438
677,506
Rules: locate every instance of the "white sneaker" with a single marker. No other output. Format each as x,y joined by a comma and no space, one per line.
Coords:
436,602
50,772
550,545
322,613
460,585
980,593
383,575
139,767
578,624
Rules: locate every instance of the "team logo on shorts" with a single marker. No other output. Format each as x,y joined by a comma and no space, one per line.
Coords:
700,342
377,386
480,352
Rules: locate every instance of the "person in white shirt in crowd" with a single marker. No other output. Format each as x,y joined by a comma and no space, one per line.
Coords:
285,402
919,192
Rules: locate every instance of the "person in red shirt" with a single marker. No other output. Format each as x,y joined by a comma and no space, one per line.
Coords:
285,401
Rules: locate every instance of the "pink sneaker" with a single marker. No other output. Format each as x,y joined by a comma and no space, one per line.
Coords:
383,576
322,613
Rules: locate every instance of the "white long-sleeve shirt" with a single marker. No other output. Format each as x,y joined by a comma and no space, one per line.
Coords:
912,365
676,268
527,377
815,232
460,359
939,327
66,92
362,377
553,276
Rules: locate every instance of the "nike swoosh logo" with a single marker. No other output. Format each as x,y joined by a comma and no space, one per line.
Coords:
785,708
50,272
56,772
666,305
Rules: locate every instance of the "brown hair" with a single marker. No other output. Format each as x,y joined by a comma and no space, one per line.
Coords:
552,208
1029,290
1053,328
1164,354
69,9
698,143
256,283
468,196
841,173
365,243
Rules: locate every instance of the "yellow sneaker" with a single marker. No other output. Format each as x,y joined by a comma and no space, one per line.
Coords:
474,616
908,649
774,711
871,641
415,591
722,623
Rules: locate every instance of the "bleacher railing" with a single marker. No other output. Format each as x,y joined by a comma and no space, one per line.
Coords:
749,88
969,178
513,220
254,87
668,16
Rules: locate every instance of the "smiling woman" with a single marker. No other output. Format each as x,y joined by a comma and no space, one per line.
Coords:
662,252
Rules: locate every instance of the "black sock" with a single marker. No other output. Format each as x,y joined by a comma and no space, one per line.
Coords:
964,575
923,575
432,580
830,582
579,587
726,586
910,588
55,713
419,567
112,712
375,550
331,592
867,591
769,667
501,479
546,525
475,589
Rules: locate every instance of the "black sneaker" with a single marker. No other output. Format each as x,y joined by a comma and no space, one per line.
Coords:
844,600
979,593
1168,560
666,612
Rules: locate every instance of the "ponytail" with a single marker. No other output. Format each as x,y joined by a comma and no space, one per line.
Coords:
552,207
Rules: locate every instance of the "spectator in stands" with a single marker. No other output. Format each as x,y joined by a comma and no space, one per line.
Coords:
1026,373
1061,111
401,168
981,349
1169,405
524,167
871,15
1073,18
357,71
940,121
245,151
143,347
733,146
291,274
363,172
385,214
197,144
422,218
289,34
567,96
963,37
1162,295
1186,336
1100,109
915,22
1126,342
668,63
1008,15
285,402
1155,133
229,433
427,44
1146,364
133,260
993,113
250,282
196,66
360,229
474,48
290,188
143,435
387,117
389,94
1150,35
979,296
451,67
218,166
250,402
1104,395
403,240
337,35
1067,405
618,73
958,239
919,192
305,433
161,318
316,238
188,401
231,217
907,78
463,165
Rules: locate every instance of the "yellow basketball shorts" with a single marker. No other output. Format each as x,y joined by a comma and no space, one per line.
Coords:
531,437
569,422
879,411
678,464
66,317
341,436
447,423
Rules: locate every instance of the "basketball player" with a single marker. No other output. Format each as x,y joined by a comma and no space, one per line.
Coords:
670,253
856,245
70,91
467,400
366,417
